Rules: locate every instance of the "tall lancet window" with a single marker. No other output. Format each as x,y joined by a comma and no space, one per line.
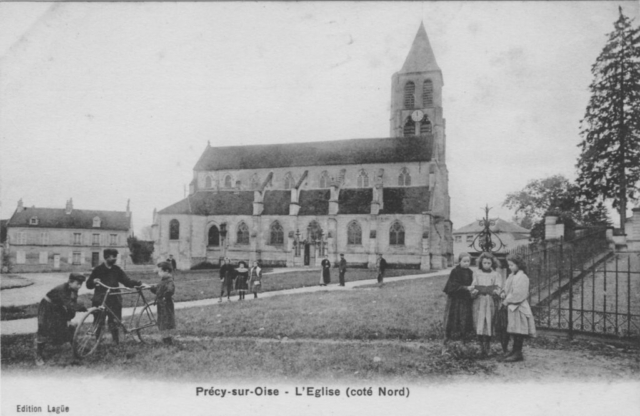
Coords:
404,179
242,234
363,179
409,94
427,93
425,125
409,128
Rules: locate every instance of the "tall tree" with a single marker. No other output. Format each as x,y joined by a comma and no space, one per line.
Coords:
609,164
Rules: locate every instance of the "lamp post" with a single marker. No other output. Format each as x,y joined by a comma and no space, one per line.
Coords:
484,241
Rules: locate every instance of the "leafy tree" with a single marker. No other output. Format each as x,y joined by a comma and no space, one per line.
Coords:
556,196
609,164
140,250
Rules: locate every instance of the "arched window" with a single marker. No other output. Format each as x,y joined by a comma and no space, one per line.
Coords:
404,179
288,181
243,234
324,179
396,234
354,233
409,128
276,234
174,230
409,97
228,181
363,179
255,182
427,93
207,182
425,125
314,231
214,236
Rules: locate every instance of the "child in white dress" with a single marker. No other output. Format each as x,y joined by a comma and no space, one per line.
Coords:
487,283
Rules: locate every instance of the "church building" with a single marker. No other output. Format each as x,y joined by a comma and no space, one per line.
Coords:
292,204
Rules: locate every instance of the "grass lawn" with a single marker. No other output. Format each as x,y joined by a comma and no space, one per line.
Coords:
389,334
10,281
205,284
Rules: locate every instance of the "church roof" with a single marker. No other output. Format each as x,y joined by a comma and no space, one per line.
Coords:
421,57
409,200
337,152
77,219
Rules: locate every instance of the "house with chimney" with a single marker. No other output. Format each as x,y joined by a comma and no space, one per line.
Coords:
65,239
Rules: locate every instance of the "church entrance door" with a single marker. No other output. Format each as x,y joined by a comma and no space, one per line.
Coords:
307,250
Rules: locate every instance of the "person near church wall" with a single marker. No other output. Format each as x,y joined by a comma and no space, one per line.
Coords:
172,262
255,279
227,273
325,275
342,268
381,267
242,279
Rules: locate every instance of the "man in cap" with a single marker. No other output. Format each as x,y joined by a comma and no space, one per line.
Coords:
110,275
55,312
172,261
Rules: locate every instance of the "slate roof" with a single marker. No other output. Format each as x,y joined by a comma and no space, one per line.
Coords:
3,230
420,57
410,200
501,226
78,219
339,152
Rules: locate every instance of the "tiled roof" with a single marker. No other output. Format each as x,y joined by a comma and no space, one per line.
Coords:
409,200
355,201
213,203
339,152
314,202
501,226
276,202
78,218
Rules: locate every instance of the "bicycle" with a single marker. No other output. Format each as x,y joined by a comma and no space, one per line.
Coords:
90,330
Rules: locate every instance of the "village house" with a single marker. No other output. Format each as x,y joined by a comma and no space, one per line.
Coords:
57,239
291,204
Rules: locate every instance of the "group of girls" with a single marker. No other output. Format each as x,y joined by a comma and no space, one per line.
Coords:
240,278
481,303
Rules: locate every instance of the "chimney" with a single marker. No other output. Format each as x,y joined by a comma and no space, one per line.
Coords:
128,210
155,216
20,206
69,207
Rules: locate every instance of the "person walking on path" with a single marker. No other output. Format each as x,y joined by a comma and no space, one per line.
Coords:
164,292
458,319
242,279
255,279
342,269
381,266
487,286
110,275
520,321
227,273
325,275
55,312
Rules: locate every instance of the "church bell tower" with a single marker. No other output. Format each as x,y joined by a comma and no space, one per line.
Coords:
416,96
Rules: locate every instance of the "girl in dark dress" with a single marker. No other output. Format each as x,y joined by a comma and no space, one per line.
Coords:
458,318
164,300
242,280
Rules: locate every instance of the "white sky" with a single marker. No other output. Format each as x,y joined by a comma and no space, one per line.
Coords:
105,102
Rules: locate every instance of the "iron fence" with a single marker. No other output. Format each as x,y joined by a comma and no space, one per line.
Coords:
580,285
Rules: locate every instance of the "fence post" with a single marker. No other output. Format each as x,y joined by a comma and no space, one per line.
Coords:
571,297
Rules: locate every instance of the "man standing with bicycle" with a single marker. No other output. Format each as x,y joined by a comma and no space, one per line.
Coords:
110,275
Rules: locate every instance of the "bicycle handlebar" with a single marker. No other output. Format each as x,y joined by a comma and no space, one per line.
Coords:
142,286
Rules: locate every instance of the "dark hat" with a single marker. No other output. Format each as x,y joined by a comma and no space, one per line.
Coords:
166,266
77,277
108,252
341,255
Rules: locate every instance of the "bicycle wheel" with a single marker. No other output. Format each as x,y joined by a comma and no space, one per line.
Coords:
88,333
146,325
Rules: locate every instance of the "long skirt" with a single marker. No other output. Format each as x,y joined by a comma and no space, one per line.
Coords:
520,323
52,324
458,319
484,311
325,277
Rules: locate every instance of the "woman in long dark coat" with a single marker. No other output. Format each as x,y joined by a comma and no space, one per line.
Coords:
325,277
56,310
458,317
164,300
242,280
